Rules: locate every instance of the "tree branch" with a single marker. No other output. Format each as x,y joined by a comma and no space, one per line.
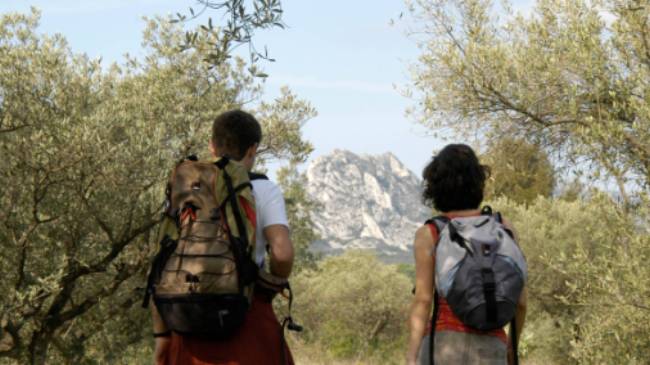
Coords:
100,222
13,129
94,298
646,42
10,341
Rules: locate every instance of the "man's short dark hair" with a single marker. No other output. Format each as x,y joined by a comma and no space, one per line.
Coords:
234,132
454,179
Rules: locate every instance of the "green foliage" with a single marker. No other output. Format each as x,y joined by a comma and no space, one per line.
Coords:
282,122
518,170
572,191
408,270
562,76
354,306
86,150
589,282
241,20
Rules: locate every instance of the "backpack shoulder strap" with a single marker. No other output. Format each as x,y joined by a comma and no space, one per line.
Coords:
437,224
256,176
487,210
499,218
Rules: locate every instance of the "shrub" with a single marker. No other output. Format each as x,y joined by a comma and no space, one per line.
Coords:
354,306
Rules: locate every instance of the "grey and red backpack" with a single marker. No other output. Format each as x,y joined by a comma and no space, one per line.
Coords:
479,270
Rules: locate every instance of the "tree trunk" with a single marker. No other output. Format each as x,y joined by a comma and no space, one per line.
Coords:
38,350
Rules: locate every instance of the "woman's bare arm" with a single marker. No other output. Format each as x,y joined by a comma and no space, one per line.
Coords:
421,305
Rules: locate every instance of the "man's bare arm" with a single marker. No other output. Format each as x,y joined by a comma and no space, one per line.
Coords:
280,249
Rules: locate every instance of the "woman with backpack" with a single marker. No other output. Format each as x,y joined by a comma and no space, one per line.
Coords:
454,181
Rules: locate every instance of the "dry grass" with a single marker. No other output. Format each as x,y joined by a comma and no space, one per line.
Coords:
309,354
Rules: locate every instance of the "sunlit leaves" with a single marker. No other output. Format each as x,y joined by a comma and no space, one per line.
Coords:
241,19
572,76
518,170
589,288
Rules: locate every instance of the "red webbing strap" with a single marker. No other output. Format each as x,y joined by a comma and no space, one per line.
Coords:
434,233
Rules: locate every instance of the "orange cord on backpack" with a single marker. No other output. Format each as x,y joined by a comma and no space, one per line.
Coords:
188,212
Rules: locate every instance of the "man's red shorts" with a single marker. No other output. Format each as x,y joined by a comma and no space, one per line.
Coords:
258,342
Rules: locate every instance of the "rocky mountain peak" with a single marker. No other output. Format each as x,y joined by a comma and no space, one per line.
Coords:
367,202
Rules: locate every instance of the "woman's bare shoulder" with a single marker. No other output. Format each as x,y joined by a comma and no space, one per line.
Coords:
423,237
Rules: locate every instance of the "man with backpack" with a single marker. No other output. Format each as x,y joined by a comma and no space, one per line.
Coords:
224,336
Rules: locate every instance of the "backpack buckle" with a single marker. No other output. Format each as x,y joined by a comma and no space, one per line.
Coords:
487,210
486,249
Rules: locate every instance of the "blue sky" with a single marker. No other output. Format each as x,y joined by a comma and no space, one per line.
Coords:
342,56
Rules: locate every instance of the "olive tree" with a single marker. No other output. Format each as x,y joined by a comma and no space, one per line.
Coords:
519,170
589,286
573,76
86,149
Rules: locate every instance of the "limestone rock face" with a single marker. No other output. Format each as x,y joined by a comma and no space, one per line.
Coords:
367,202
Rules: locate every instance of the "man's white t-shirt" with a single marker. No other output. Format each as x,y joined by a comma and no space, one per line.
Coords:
270,210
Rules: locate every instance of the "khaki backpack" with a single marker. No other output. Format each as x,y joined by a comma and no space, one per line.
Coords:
202,278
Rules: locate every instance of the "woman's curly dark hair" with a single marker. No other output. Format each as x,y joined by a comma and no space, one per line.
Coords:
454,179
